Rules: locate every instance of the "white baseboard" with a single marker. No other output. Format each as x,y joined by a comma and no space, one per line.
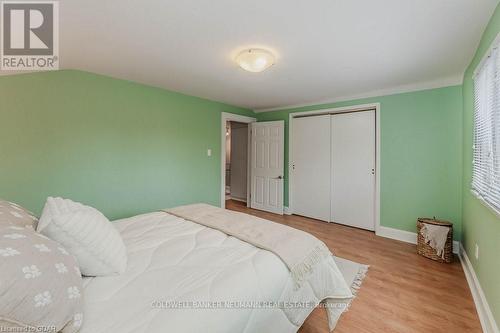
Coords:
287,210
406,236
483,309
401,235
238,199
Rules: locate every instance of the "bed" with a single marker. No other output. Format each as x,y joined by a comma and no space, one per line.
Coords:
186,277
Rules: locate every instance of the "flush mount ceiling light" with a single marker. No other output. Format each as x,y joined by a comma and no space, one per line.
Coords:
255,60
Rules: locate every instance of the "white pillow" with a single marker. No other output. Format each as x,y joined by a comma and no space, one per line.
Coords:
87,234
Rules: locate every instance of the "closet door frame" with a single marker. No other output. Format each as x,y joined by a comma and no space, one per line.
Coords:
353,108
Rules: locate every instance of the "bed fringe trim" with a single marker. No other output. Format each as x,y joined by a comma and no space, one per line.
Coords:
301,271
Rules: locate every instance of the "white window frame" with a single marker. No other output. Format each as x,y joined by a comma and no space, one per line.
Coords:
483,195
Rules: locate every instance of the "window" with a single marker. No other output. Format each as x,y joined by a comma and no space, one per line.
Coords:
486,147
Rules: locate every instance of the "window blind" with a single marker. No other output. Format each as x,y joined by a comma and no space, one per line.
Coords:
486,147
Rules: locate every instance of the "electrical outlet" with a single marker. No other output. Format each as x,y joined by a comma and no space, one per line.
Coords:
476,252
209,152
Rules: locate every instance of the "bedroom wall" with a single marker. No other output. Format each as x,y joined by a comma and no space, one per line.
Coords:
122,147
480,225
421,154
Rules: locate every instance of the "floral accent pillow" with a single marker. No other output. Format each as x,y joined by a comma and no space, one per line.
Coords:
13,214
41,284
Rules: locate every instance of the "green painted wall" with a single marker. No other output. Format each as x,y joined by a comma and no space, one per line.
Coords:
127,148
421,154
480,225
122,147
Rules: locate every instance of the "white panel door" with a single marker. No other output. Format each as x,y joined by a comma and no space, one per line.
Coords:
311,167
267,162
353,169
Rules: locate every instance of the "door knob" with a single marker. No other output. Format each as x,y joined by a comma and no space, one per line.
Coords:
279,177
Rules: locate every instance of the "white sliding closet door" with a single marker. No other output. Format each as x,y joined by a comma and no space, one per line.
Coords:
311,167
353,169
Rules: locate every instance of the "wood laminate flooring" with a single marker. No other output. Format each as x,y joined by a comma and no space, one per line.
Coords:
403,292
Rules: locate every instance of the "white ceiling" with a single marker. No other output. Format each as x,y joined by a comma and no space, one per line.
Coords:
327,49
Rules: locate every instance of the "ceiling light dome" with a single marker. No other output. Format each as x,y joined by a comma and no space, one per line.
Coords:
255,60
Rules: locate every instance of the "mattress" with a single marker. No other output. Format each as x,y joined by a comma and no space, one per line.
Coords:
184,277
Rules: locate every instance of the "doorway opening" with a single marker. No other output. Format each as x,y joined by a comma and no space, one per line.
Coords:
236,175
264,162
235,158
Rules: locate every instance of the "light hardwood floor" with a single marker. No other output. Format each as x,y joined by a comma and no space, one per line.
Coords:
403,292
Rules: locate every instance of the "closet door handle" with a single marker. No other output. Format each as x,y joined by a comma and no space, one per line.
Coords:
279,177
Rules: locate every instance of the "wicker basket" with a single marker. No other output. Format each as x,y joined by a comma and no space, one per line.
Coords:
426,250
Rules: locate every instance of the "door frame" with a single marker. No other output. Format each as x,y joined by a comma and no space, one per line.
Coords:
344,109
225,117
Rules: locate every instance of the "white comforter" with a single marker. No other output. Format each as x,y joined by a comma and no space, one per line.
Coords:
172,262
